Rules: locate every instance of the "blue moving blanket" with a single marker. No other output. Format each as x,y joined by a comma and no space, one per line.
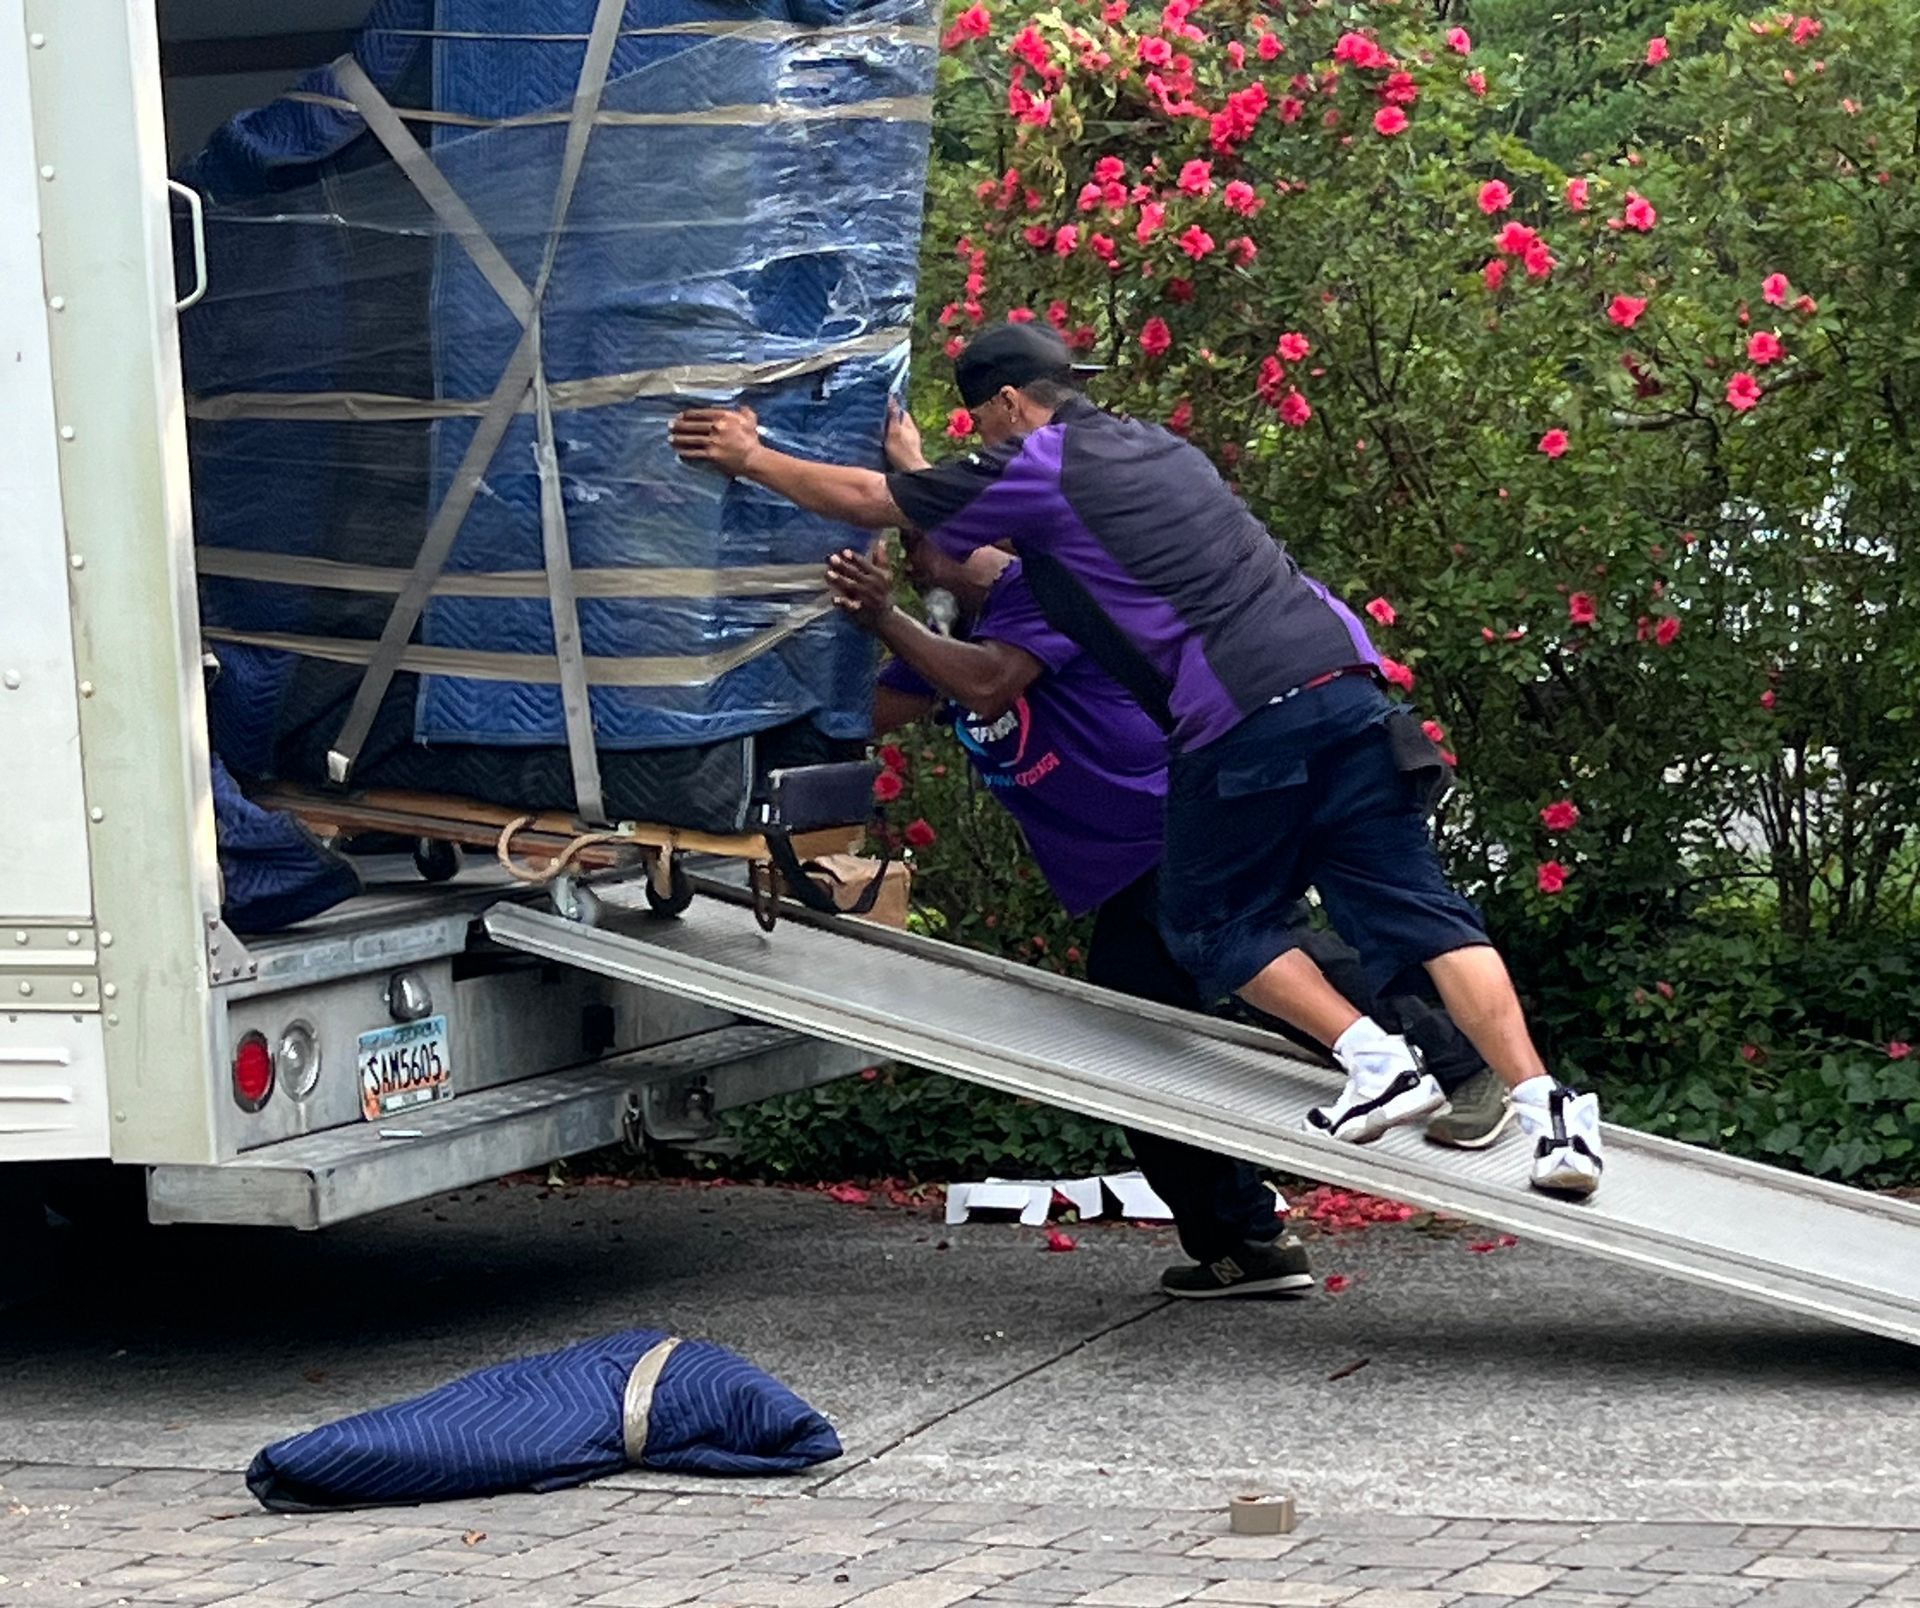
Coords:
273,871
635,1400
749,206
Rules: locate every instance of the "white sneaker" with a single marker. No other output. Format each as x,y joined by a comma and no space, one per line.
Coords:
1387,1084
1565,1130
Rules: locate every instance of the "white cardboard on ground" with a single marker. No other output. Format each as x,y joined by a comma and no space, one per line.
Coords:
1033,1198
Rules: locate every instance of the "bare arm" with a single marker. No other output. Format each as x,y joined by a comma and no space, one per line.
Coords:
986,677
728,439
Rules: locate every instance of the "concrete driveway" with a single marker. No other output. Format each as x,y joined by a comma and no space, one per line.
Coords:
972,1364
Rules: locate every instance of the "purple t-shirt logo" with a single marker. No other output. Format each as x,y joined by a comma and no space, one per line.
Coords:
1000,748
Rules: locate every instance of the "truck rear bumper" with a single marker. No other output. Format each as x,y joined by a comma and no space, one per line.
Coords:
670,1089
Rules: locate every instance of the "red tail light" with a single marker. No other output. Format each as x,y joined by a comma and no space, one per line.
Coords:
252,1072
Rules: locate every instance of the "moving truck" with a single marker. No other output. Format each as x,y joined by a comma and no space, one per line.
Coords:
378,1053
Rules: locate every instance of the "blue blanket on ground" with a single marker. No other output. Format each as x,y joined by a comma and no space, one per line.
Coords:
549,1422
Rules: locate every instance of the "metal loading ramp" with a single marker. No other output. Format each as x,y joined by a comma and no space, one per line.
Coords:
1842,1254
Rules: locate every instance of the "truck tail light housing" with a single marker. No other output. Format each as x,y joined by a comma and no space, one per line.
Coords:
252,1072
296,1059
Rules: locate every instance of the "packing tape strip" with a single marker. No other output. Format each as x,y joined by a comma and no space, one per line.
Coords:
748,114
676,380
473,664
326,574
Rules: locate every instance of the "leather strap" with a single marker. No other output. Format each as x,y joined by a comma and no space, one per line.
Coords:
799,881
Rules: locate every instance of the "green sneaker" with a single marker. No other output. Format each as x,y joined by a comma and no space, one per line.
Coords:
1478,1114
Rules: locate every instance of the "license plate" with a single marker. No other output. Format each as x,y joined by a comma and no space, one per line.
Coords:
404,1066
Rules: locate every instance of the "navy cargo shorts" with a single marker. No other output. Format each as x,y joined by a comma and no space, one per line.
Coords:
1305,793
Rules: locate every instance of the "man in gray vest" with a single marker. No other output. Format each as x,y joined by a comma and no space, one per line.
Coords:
1285,775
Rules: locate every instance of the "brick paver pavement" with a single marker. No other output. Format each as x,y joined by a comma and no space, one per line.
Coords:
85,1536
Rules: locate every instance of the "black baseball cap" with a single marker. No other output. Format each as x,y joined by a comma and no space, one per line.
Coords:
1016,355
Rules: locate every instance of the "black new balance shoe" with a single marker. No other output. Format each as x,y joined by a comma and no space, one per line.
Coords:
1253,1270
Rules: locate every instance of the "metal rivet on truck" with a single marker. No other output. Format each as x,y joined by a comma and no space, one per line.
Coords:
96,814
57,303
37,40
12,679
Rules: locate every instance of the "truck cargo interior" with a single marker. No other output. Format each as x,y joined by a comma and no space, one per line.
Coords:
222,57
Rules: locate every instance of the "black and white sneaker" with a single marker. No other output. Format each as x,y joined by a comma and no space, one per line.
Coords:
1386,1086
1565,1130
1253,1270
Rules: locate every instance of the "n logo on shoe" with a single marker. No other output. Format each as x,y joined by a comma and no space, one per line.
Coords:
1227,1270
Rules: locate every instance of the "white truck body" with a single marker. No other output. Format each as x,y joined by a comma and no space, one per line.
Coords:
122,996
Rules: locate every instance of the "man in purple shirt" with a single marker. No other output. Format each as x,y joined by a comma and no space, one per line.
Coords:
1286,773
1084,771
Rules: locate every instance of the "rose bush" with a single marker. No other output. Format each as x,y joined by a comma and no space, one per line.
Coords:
1617,436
